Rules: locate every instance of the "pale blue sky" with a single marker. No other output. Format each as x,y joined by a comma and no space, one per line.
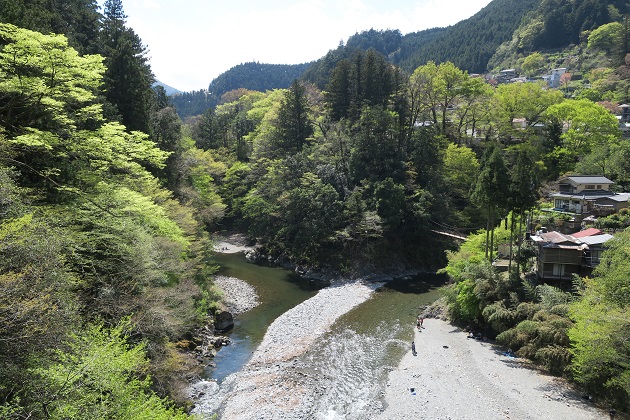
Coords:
193,41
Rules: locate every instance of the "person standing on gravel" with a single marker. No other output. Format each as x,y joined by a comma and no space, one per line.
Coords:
413,348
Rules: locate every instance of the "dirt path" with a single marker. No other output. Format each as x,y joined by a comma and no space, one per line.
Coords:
454,377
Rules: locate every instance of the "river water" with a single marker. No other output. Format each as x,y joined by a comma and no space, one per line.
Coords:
353,359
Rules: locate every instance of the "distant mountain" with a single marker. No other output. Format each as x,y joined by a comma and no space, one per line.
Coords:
256,76
169,90
252,76
469,44
499,34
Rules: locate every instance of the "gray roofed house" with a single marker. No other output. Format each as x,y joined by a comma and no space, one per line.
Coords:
585,194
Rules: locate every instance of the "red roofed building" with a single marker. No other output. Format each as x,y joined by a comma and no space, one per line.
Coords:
586,232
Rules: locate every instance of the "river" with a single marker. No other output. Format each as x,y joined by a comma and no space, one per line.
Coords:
353,359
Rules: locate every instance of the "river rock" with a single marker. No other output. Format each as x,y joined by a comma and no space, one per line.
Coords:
223,320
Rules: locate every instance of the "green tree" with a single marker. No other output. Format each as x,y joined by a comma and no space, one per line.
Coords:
294,124
78,20
390,202
607,37
433,91
521,100
490,191
310,214
375,154
599,339
128,78
533,63
589,125
523,193
99,376
460,169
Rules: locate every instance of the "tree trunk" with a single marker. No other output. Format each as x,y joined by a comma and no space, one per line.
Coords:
488,232
491,233
511,242
520,241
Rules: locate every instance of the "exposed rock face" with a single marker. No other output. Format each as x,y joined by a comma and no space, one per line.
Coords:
223,320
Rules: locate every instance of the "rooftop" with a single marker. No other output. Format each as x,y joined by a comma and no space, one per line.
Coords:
589,179
586,232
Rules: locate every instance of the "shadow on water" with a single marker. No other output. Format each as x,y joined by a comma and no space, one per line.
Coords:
422,283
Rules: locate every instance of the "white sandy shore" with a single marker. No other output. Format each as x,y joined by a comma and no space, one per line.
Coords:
454,377
231,243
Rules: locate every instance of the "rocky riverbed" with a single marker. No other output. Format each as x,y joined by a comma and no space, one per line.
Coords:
451,377
238,295
275,383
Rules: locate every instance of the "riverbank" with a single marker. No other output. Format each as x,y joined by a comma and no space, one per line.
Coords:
453,377
273,384
231,243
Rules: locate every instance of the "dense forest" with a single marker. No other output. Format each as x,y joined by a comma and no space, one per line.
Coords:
107,200
252,76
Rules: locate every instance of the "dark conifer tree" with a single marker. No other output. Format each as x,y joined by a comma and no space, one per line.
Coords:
338,91
128,79
294,122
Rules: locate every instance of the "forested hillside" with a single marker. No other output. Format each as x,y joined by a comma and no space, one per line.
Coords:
252,76
107,198
499,36
103,270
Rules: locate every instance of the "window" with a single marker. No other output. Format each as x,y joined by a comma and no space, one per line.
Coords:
589,187
599,187
558,270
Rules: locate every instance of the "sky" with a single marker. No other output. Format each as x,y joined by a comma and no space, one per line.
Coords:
191,42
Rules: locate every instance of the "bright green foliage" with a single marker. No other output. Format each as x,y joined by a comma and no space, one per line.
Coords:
43,80
433,90
533,63
199,169
607,37
99,376
461,169
599,339
468,306
86,231
521,100
589,125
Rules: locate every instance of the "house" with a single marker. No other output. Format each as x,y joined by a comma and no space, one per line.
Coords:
585,194
593,253
560,256
505,76
624,121
586,232
553,79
